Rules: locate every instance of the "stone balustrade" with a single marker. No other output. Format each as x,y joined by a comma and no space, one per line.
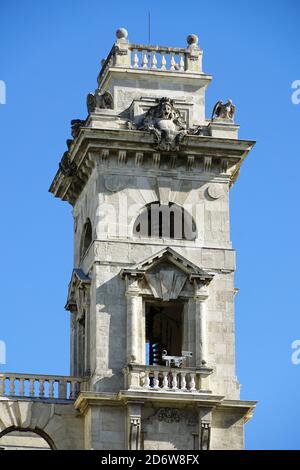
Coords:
158,58
155,58
39,386
166,379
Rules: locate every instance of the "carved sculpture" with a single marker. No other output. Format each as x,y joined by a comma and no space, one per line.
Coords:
223,110
67,167
76,124
165,122
104,101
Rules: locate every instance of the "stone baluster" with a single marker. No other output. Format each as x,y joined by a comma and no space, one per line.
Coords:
2,385
147,379
172,62
135,59
12,386
183,382
51,388
31,387
165,382
62,389
176,381
21,387
153,60
144,60
155,381
73,393
163,61
192,382
181,62
41,388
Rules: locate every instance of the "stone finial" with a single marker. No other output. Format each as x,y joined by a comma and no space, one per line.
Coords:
122,34
192,40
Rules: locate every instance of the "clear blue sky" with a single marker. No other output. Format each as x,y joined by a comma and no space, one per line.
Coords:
50,54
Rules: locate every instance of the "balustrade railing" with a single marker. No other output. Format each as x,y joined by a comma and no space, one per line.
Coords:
158,58
161,378
39,386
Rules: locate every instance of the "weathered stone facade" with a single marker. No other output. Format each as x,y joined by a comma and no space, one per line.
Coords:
148,177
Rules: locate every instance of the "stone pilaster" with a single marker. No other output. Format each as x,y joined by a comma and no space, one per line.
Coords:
205,418
134,424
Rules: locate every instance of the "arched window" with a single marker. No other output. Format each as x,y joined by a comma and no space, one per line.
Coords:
165,221
86,238
16,438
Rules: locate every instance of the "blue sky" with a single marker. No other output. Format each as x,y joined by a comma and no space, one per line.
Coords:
50,55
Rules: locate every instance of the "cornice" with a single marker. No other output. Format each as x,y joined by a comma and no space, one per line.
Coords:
135,150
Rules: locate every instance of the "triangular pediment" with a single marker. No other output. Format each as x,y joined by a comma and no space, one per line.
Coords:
78,278
167,272
171,256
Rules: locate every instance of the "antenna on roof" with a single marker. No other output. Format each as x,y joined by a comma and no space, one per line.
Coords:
149,27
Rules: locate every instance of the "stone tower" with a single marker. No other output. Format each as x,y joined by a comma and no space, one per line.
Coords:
151,297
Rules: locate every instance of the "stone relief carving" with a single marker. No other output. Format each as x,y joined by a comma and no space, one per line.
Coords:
165,122
166,284
113,183
223,110
215,191
104,101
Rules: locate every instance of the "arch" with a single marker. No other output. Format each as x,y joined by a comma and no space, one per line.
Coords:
86,238
165,221
38,431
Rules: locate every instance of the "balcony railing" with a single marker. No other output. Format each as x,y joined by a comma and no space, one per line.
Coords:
39,386
166,379
157,58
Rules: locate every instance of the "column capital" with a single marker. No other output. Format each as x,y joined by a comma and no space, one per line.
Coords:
200,293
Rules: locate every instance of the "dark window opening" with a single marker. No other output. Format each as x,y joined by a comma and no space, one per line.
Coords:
86,238
163,330
165,221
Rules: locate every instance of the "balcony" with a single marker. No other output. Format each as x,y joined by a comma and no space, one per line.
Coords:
39,386
167,379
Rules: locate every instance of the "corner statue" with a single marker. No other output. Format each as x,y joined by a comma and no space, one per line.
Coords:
223,110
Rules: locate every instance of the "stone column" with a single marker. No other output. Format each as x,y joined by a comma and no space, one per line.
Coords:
201,327
134,317
87,364
134,421
73,343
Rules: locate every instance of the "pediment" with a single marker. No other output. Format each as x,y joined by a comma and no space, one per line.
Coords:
78,279
166,273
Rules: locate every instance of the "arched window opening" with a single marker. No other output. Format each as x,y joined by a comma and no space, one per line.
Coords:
86,238
15,438
165,221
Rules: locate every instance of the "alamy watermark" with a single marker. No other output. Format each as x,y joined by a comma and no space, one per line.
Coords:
2,92
295,357
2,352
296,94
